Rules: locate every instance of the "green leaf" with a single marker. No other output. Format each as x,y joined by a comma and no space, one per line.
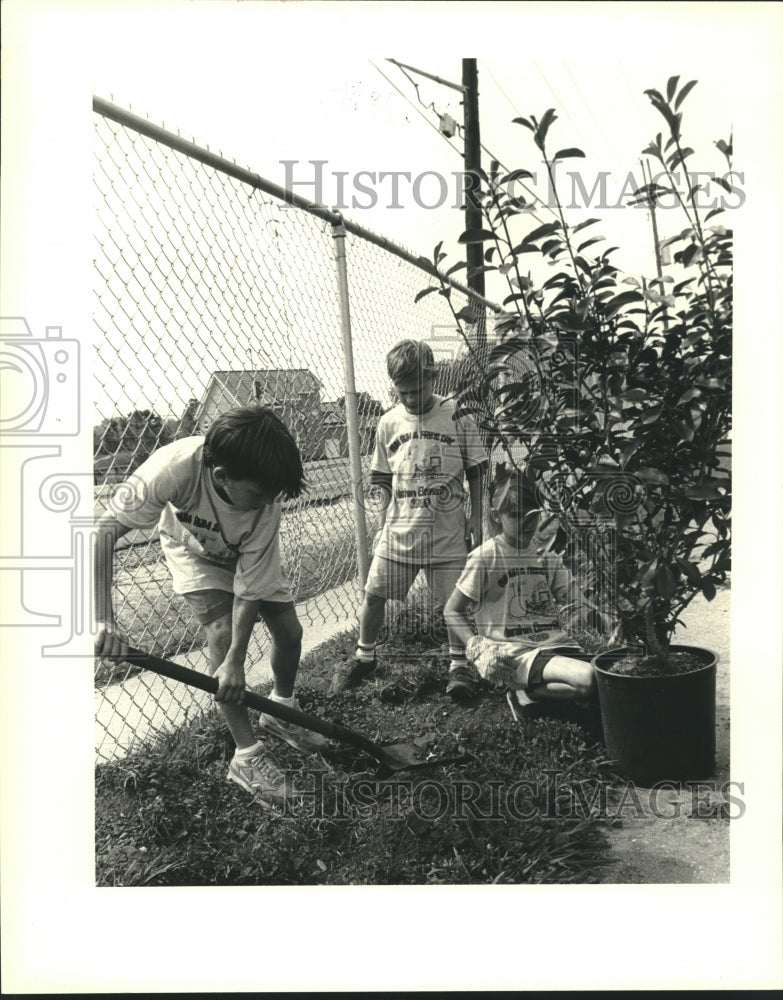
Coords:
683,284
690,255
525,122
548,117
671,87
513,389
628,451
666,582
425,291
467,315
546,230
690,571
704,492
565,153
476,236
684,93
679,157
583,225
588,243
624,298
654,476
550,245
457,267
686,431
516,175
635,395
708,589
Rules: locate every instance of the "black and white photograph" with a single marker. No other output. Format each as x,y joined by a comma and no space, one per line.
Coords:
373,432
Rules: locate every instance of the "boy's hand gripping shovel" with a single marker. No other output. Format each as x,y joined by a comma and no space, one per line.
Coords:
391,756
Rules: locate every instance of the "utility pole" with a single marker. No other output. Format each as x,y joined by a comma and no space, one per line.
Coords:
474,252
473,219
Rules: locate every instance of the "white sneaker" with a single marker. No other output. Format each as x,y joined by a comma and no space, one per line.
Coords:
262,778
296,736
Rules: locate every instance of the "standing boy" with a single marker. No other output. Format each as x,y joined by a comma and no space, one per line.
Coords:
216,501
522,601
423,452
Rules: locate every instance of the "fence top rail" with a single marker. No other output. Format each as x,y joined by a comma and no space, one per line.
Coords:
195,152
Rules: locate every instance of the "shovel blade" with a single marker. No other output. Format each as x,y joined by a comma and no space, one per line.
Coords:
405,756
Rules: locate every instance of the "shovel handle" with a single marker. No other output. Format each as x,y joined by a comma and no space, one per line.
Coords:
205,682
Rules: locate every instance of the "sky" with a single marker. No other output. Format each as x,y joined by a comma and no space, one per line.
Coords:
372,128
360,112
266,82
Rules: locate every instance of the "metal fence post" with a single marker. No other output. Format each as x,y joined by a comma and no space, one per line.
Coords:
351,408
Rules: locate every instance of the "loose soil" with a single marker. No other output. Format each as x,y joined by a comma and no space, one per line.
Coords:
649,666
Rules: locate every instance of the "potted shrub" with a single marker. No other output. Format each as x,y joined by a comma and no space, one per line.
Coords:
615,393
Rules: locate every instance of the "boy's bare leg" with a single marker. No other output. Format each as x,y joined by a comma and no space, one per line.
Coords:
371,618
565,679
285,631
237,720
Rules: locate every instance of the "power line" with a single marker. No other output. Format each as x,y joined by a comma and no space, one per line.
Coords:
431,107
417,110
460,129
560,102
598,125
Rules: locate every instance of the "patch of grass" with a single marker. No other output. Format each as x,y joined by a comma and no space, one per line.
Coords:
515,811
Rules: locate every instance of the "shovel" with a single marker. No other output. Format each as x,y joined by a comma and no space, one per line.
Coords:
391,756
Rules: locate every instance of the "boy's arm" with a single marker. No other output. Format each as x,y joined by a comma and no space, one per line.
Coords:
455,614
109,641
475,477
231,672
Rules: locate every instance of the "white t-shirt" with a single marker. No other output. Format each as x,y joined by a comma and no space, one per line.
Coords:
517,594
427,455
207,542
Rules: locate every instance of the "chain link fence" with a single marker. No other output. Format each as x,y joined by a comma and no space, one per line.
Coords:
214,288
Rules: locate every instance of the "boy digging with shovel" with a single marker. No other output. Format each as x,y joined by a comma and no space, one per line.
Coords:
217,503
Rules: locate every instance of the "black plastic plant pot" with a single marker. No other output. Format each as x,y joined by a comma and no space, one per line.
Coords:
659,728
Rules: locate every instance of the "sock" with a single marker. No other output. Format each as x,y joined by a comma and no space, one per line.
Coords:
365,651
249,751
458,658
291,702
